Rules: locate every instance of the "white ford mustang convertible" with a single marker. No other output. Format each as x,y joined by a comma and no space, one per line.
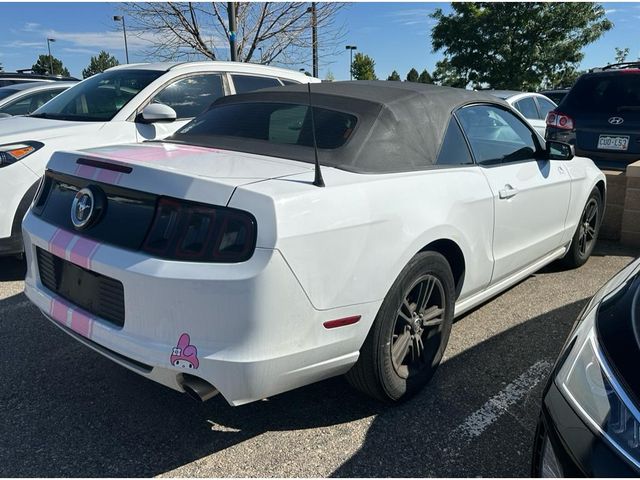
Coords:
269,244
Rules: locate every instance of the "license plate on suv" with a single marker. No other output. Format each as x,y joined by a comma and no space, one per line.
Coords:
613,142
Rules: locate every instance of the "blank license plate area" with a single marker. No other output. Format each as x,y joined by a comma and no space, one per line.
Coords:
79,285
613,142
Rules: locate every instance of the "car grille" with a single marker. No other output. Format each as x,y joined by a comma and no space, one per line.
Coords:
97,294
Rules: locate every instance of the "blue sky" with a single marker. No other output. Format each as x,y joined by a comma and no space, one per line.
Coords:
396,35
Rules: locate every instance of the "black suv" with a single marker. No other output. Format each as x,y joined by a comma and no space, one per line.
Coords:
600,116
11,78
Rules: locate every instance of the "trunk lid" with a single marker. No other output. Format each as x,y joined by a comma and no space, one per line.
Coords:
188,172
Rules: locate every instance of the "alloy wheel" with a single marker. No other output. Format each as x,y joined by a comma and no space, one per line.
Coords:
418,326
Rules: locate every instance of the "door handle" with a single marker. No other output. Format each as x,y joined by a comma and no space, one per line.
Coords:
507,192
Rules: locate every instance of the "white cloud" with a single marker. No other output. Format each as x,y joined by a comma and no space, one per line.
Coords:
31,27
412,12
23,44
81,50
110,40
411,16
610,10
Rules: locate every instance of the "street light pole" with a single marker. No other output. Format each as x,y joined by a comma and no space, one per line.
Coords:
351,48
49,40
314,38
118,18
231,12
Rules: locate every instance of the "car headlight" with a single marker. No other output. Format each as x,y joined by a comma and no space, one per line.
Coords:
11,153
587,381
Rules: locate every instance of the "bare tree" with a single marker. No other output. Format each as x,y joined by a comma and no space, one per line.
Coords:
269,32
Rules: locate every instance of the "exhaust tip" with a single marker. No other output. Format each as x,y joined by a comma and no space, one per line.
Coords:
198,388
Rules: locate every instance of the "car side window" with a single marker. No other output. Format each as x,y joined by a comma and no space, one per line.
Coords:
192,95
496,135
527,107
289,82
248,83
454,149
544,106
29,103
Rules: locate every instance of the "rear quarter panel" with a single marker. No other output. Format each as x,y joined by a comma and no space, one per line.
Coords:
348,242
584,178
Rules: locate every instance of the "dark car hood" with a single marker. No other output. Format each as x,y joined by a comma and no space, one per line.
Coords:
618,329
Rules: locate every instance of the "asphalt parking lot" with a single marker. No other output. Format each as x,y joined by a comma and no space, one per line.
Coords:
67,411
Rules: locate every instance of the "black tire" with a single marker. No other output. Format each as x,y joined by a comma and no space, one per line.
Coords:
586,235
378,373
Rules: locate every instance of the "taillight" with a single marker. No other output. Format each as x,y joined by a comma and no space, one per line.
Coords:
195,232
559,120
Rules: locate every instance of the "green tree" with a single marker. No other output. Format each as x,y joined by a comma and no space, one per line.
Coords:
99,64
42,66
621,54
519,46
363,67
395,76
412,76
330,77
425,77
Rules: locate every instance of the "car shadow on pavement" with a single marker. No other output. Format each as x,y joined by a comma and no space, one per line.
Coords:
434,434
12,269
67,411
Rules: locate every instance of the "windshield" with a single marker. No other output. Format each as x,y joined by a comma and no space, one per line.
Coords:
7,92
605,93
277,123
99,98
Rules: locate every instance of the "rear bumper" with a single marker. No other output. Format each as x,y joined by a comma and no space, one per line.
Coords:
578,450
254,330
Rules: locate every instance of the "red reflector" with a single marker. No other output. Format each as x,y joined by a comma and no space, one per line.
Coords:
341,322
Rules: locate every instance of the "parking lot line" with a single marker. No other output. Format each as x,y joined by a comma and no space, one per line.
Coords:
476,423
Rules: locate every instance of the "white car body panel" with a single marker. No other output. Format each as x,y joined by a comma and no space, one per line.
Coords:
61,135
324,253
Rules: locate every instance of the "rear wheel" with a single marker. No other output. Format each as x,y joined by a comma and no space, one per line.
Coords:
584,239
410,332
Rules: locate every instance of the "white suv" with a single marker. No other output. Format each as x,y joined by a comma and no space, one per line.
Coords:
129,103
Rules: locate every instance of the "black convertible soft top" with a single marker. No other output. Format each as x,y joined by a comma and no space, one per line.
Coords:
400,125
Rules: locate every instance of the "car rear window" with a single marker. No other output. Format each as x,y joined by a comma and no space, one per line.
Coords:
605,93
278,123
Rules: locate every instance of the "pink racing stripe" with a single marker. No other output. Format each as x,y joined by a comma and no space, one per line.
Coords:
58,311
59,242
82,252
108,176
86,171
81,323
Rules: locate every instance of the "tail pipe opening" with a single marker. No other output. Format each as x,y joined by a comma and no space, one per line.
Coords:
198,388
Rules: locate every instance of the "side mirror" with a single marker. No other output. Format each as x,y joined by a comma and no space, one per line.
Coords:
559,150
157,112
